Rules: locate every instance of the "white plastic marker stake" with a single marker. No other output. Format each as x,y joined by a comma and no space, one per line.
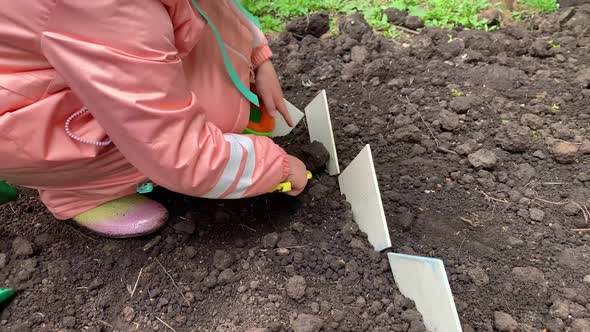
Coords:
319,125
358,182
281,126
424,280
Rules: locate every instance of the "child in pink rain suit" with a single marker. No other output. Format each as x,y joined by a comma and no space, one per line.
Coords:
97,97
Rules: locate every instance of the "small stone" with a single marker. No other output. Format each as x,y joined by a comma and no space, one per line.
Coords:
359,54
515,242
22,247
463,104
479,276
468,328
466,148
315,307
418,150
449,120
585,147
254,284
559,309
376,307
3,261
581,325
483,159
565,152
242,289
154,242
525,173
555,324
96,284
225,277
395,16
536,214
357,244
528,274
287,240
577,310
69,321
360,301
128,314
190,252
587,279
283,251
410,315
397,83
210,281
296,287
298,227
351,129
532,121
539,154
504,322
307,323
413,22
406,220
269,241
514,138
186,227
337,315
222,259
43,239
571,209
574,257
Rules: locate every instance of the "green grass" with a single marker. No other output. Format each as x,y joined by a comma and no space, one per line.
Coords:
444,13
540,6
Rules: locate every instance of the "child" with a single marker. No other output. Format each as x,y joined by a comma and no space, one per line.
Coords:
97,97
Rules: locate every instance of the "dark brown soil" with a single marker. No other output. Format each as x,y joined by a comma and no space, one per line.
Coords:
481,144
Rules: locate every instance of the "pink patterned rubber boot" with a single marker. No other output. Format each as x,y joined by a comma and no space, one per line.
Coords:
126,217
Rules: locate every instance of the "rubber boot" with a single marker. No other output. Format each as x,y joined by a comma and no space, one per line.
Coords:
126,217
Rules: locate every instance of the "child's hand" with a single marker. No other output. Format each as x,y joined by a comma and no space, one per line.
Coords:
269,90
297,176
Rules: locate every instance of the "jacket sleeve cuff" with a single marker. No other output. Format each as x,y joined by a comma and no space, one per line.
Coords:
260,55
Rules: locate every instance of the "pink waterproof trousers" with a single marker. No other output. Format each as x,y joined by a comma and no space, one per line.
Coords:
151,76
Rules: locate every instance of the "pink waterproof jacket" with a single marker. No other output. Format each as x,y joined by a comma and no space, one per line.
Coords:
152,78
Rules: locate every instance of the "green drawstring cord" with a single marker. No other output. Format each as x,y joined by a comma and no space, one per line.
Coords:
245,91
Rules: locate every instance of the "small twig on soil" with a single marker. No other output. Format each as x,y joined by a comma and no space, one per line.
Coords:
173,282
470,222
507,305
549,202
490,198
105,323
581,230
136,282
440,148
247,227
584,211
84,235
407,30
553,183
165,324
